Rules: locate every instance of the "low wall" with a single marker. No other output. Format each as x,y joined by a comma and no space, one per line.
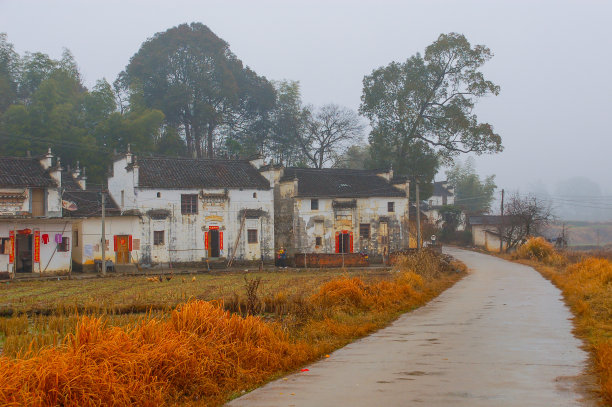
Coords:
330,260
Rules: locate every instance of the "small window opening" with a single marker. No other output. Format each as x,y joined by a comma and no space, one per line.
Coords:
314,204
252,235
158,237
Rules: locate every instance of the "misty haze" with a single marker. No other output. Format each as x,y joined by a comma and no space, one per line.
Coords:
242,203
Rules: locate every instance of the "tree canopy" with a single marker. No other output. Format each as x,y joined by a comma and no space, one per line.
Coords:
422,109
473,195
203,89
47,105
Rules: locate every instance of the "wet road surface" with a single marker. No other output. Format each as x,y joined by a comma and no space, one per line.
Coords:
499,337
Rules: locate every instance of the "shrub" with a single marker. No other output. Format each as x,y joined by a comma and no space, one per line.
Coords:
539,249
536,248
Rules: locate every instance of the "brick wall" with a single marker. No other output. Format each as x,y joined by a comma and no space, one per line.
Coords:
329,260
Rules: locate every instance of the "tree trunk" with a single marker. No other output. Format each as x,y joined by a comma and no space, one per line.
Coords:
189,139
209,142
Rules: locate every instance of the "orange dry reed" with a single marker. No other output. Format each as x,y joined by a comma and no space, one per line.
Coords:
200,353
352,294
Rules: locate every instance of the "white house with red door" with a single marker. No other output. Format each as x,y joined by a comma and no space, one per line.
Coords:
34,238
333,210
83,207
192,210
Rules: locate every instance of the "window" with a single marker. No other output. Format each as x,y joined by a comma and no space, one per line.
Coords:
318,241
254,194
364,230
252,235
314,204
158,237
75,238
390,206
38,202
64,246
159,194
189,204
5,245
122,198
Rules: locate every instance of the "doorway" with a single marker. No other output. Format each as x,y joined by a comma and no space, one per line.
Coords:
213,244
23,253
344,242
123,249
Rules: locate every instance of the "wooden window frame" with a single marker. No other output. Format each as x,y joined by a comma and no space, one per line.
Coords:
252,237
189,204
156,238
318,241
64,247
391,206
314,204
5,245
365,227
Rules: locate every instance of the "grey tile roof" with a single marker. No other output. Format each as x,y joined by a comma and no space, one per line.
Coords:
188,173
440,190
69,183
485,220
23,172
340,182
89,203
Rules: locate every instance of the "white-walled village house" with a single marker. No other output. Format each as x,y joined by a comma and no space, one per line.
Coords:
339,210
83,207
195,209
33,235
443,194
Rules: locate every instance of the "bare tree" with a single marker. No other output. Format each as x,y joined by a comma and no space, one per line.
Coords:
525,216
329,131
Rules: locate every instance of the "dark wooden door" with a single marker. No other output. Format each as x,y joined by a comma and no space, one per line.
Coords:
345,243
213,236
23,253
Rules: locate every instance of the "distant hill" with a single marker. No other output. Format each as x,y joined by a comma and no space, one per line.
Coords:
583,233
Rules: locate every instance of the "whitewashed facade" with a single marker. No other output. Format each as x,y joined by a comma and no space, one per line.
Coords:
191,210
33,236
339,210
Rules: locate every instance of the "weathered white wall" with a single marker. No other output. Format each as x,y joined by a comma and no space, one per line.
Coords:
90,234
123,180
184,234
50,258
326,221
485,236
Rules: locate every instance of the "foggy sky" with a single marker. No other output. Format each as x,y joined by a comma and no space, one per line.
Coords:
553,60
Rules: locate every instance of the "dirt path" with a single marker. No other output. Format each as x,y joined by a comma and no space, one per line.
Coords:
499,337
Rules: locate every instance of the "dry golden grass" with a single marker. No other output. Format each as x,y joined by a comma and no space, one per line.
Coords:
539,249
200,352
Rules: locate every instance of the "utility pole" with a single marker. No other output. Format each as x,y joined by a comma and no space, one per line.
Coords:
501,226
418,212
103,242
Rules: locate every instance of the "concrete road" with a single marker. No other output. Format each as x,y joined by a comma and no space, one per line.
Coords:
499,337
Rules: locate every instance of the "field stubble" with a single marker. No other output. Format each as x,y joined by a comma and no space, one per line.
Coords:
200,352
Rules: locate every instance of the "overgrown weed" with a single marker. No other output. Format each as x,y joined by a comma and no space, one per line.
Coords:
200,351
